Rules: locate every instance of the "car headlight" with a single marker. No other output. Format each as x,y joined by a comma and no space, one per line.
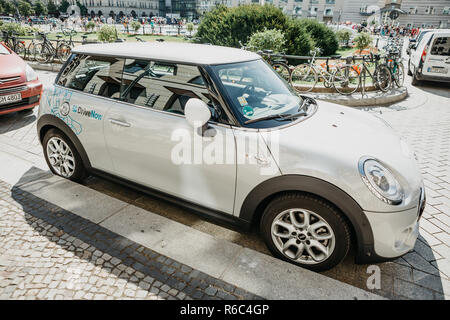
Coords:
30,73
380,181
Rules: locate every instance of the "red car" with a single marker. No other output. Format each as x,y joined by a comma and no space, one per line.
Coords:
20,88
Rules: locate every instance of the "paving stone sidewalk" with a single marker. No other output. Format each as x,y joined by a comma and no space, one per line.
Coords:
47,252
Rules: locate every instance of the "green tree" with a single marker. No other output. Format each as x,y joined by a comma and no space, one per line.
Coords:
344,36
51,7
272,39
362,41
323,36
83,9
8,7
39,8
63,6
25,8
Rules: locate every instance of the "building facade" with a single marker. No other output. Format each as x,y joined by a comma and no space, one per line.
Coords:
417,13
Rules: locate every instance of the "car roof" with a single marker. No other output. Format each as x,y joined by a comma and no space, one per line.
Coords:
189,53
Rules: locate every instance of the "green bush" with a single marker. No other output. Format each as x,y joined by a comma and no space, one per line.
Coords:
344,36
90,26
136,25
232,26
323,37
107,33
362,41
267,40
15,28
190,27
298,40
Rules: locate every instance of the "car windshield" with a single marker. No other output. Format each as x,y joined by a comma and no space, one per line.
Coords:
257,93
3,50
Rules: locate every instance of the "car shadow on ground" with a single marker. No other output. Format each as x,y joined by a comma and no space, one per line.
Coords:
409,277
441,89
126,259
16,120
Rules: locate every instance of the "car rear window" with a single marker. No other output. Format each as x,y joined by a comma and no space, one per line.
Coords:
441,46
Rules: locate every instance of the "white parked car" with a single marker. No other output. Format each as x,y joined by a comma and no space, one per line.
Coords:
429,57
217,130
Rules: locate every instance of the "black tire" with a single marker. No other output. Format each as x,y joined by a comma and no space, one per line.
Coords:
319,207
409,68
415,81
80,172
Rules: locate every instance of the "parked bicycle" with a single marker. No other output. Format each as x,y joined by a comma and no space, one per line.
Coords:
14,43
280,65
304,77
46,52
349,77
393,61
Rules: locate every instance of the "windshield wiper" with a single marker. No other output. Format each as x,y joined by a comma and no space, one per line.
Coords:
278,116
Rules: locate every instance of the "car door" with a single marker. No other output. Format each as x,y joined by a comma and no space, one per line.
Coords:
152,144
437,62
81,98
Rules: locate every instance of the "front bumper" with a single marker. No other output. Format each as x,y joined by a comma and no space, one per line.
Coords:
31,94
395,233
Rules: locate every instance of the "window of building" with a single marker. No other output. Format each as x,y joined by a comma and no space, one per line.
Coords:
446,11
413,10
429,10
328,12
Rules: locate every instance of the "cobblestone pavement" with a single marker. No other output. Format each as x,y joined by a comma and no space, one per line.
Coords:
424,119
49,253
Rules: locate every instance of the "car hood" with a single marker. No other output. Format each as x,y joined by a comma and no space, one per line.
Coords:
11,65
330,143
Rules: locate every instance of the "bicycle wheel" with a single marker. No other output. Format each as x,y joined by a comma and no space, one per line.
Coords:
42,53
20,50
383,78
303,78
282,69
346,80
399,75
63,52
31,51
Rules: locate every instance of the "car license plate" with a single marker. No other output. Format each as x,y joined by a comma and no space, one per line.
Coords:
438,70
10,98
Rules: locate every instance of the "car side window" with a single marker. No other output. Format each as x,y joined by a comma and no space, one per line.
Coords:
164,86
95,75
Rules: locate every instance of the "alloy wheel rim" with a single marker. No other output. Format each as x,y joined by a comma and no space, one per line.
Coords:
303,236
60,157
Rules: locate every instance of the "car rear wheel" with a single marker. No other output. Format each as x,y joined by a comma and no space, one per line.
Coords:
415,81
305,230
409,68
62,157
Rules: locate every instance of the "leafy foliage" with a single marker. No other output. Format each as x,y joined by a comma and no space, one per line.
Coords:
107,33
136,25
272,39
344,36
362,40
16,28
233,26
39,8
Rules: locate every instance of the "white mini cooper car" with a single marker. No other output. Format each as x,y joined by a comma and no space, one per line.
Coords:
217,130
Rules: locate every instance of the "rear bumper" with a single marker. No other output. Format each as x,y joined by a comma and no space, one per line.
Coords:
31,95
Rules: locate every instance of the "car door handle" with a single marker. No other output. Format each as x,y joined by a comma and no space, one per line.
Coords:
119,123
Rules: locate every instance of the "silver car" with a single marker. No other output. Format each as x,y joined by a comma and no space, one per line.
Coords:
217,130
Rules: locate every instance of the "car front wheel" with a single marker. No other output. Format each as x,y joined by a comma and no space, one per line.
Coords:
305,230
62,157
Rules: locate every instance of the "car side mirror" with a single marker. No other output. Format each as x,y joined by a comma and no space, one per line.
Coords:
197,113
